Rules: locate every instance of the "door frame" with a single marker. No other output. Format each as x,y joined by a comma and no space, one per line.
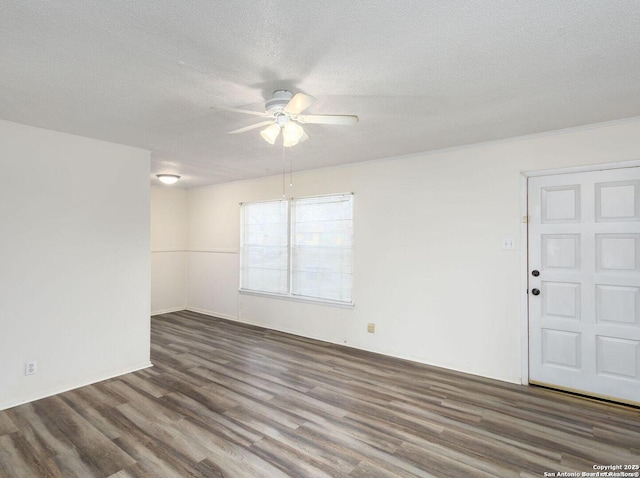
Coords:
524,248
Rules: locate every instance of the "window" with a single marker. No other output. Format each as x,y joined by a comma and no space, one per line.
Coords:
299,248
265,247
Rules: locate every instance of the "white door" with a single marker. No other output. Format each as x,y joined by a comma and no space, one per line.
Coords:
584,282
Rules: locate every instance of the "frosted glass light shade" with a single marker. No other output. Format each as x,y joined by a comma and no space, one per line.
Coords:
168,178
270,133
291,133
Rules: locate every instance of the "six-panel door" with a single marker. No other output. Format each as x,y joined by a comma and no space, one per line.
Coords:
584,240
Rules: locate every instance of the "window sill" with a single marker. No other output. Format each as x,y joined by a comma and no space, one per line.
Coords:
308,300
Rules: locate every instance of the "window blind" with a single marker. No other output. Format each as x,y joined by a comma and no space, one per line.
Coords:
321,247
299,248
265,247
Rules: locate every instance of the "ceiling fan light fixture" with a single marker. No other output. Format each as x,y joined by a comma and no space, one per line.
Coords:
283,113
168,178
270,133
292,133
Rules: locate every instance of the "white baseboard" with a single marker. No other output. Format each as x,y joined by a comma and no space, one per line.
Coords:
68,387
212,313
168,311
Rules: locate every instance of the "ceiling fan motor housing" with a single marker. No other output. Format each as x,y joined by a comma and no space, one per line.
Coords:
278,102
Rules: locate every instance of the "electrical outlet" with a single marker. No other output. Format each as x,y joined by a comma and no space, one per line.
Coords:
371,328
30,368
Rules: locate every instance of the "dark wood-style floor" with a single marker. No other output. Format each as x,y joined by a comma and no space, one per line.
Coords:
230,400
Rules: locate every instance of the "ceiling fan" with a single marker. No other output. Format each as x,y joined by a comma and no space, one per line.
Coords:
283,111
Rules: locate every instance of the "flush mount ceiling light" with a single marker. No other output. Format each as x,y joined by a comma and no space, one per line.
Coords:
168,178
283,111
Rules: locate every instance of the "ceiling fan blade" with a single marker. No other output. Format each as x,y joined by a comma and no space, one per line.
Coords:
249,128
328,119
298,103
237,110
305,137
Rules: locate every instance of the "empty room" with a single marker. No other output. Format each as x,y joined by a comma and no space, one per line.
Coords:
319,239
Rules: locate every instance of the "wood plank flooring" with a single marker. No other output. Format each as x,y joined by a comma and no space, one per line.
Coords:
229,400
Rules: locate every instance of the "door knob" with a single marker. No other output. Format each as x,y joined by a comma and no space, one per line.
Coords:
535,291
535,273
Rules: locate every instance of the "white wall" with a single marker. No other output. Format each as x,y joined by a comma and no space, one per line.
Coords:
74,261
168,249
213,243
429,267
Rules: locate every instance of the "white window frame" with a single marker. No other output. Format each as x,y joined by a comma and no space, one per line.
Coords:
290,227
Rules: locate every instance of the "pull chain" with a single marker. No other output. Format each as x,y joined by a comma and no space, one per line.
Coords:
284,171
290,171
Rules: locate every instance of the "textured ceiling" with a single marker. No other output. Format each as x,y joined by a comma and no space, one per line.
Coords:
421,75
